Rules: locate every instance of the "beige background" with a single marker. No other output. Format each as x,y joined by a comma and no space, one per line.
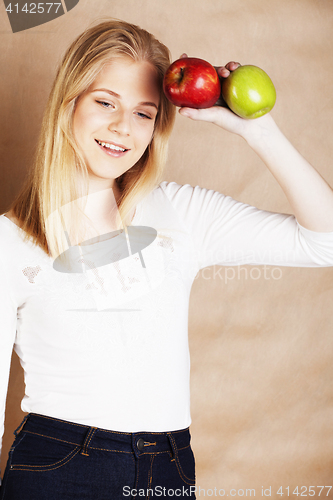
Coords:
261,342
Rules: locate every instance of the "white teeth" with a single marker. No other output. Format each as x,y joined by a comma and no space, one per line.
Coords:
110,146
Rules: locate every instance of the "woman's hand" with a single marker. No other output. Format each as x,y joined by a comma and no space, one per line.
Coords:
220,114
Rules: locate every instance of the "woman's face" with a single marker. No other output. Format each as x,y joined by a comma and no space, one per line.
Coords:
114,119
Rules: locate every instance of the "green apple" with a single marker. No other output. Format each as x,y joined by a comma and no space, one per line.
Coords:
249,92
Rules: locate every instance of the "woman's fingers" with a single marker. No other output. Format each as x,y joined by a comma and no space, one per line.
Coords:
206,114
232,65
224,71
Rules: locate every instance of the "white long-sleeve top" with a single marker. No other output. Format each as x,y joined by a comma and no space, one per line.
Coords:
108,347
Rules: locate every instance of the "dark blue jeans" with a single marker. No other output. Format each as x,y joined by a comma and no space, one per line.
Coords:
52,459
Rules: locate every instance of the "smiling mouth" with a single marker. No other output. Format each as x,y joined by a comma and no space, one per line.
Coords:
111,147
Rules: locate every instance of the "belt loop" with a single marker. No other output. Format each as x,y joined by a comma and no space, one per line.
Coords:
21,425
87,440
173,446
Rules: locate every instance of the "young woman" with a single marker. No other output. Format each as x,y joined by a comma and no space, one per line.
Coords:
101,330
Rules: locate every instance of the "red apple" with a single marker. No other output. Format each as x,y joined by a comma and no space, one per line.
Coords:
192,82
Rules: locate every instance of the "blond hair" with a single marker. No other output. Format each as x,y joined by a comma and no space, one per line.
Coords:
52,181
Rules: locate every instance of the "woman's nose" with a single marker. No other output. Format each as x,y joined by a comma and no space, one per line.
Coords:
120,123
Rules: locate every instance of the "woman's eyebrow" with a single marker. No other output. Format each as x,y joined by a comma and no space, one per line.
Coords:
114,94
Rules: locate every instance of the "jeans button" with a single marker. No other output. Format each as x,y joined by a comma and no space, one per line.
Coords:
140,444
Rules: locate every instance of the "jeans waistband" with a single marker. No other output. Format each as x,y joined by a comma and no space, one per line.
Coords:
94,438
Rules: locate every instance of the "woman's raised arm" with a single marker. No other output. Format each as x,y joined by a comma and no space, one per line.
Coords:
309,195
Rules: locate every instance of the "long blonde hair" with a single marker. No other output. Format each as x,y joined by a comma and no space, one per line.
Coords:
52,181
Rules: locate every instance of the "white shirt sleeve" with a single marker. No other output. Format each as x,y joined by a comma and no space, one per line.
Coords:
8,318
228,232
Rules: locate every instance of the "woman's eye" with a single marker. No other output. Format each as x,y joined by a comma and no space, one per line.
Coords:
105,104
143,115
